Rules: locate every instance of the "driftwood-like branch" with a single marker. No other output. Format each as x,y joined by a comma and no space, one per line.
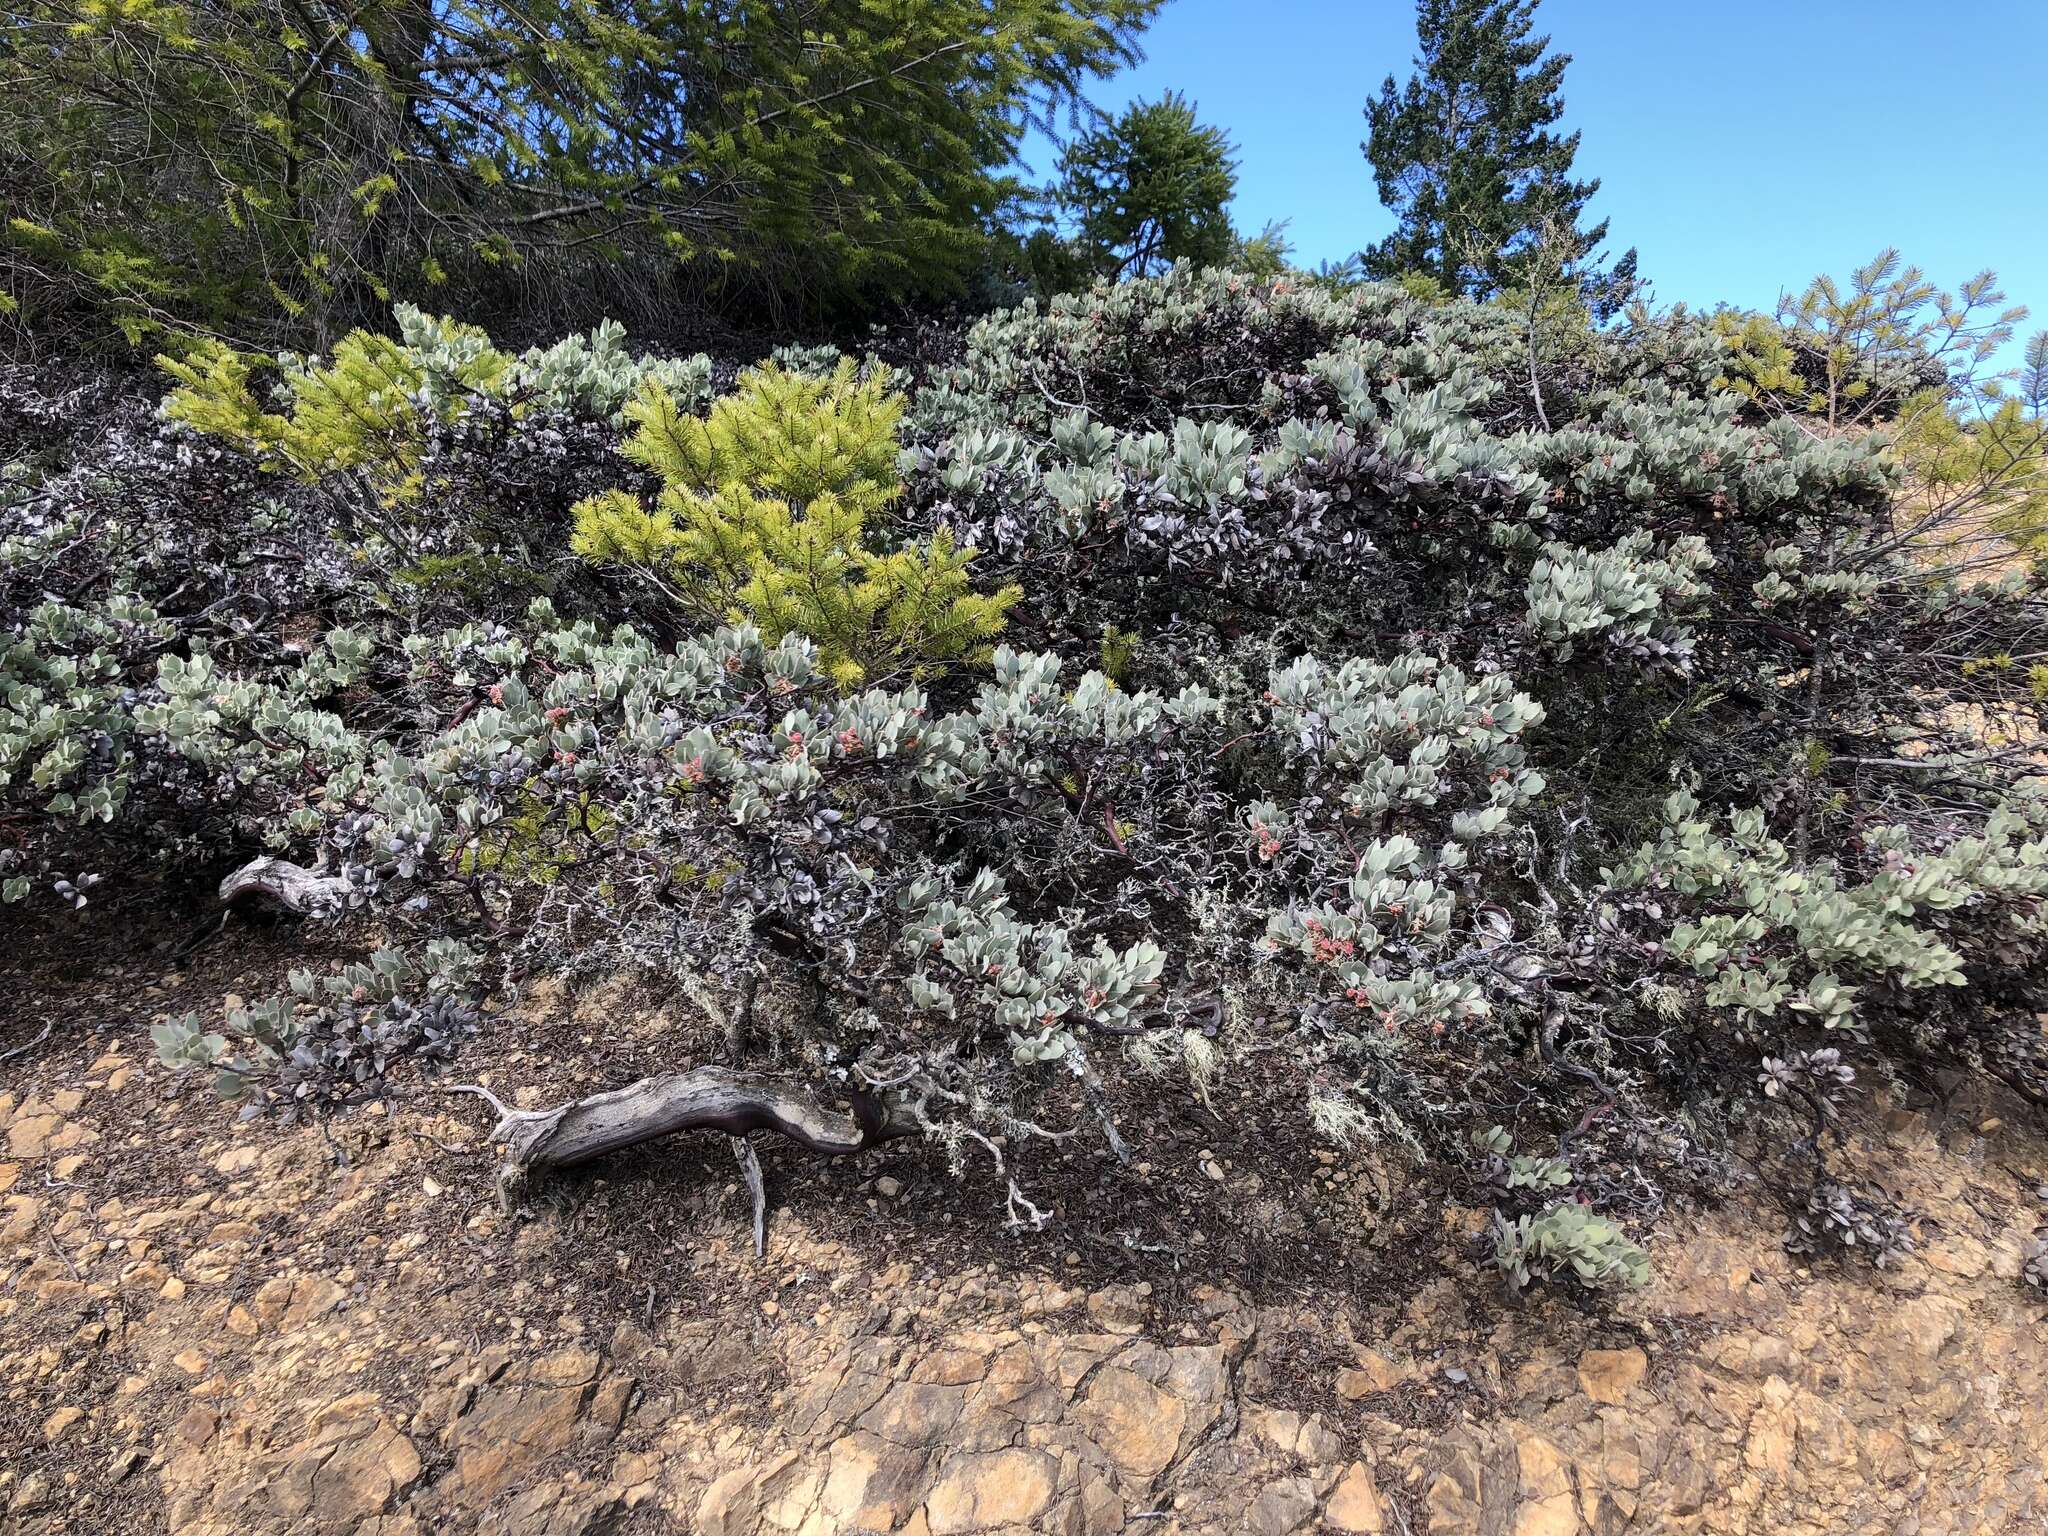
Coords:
706,1099
750,1168
285,886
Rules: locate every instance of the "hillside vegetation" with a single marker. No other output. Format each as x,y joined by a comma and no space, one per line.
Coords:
1543,762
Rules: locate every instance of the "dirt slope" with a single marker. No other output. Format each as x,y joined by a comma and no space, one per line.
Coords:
235,1330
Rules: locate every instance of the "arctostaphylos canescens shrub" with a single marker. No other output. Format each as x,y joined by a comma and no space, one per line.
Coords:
1325,728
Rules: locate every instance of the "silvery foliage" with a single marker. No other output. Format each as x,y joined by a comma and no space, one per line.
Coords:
800,812
818,360
1412,888
590,375
1533,1236
129,565
1327,455
333,1038
1772,941
1567,1240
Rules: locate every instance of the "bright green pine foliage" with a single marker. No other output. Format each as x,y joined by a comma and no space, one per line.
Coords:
360,411
366,408
764,516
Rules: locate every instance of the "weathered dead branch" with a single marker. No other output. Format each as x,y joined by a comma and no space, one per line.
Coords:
704,1099
284,886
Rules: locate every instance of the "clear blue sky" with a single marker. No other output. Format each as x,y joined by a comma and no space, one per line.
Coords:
1741,145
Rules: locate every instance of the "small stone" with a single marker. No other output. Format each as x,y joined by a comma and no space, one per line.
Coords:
174,1289
1355,1502
56,1424
1373,1373
190,1361
236,1160
888,1188
30,1135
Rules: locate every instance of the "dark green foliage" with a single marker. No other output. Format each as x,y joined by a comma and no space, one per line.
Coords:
1147,190
260,167
1464,154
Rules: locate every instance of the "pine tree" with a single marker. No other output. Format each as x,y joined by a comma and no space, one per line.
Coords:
765,516
1150,189
282,169
1464,155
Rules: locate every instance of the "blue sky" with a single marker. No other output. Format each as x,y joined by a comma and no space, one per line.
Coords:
1741,146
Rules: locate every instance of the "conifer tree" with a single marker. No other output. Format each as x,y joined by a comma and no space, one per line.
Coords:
1149,189
282,169
1463,154
766,517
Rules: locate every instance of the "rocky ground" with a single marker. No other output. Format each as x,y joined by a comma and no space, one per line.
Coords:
232,1329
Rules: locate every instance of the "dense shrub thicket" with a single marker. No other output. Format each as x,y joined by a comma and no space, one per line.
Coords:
1537,801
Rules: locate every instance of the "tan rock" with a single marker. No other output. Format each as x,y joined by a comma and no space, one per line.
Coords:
1355,1502
236,1160
731,1506
1118,1308
1608,1375
1007,1488
1137,1425
950,1368
31,1135
1557,1515
1773,1431
366,1474
55,1426
1543,1468
1384,1374
190,1361
916,1413
1281,1508
870,1483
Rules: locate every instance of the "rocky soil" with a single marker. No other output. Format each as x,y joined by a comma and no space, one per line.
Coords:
217,1328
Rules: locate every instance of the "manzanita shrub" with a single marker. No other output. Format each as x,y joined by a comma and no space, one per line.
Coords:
1570,758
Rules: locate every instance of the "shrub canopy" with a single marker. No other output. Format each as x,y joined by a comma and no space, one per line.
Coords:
1357,745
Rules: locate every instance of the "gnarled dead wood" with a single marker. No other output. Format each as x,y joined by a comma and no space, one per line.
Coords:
286,886
704,1099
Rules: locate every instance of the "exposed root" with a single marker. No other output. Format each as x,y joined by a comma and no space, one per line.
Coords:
750,1168
705,1099
284,886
